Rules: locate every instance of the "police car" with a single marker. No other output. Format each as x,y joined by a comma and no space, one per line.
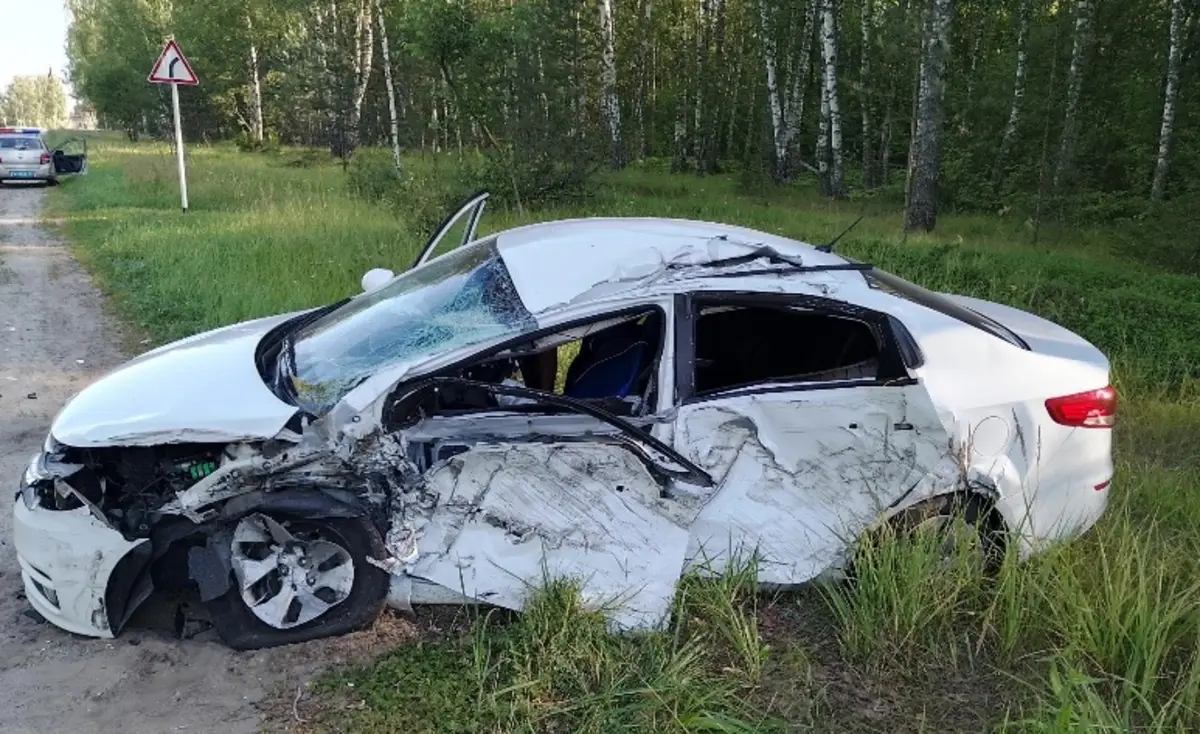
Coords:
25,156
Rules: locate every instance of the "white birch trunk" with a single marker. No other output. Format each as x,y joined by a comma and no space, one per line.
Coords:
868,97
1085,12
702,39
1161,166
364,53
926,151
256,108
1018,94
778,132
393,118
609,101
829,52
823,139
794,107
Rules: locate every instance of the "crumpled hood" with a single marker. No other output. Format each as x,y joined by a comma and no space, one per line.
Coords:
205,388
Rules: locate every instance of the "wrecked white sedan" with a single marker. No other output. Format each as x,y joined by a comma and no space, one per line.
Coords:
726,390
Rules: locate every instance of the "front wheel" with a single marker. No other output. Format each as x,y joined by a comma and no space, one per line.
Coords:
297,579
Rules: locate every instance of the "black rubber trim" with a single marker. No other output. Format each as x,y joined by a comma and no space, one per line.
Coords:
128,586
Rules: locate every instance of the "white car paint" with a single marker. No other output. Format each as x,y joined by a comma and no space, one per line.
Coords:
164,396
802,472
585,254
797,473
594,518
70,554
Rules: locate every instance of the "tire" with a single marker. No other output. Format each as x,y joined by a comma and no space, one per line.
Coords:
973,509
240,629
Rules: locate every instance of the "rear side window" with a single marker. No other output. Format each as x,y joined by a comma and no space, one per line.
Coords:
901,288
21,142
738,346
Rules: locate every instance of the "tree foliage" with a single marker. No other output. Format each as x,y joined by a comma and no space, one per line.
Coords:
709,84
36,101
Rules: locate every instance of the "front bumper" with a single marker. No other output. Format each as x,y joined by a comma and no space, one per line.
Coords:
27,173
79,573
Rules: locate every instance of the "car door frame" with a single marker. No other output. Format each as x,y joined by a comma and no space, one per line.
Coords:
898,354
898,351
60,148
473,207
636,429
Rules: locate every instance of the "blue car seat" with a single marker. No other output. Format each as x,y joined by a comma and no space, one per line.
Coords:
612,362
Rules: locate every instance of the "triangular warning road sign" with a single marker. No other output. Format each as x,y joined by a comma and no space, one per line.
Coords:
172,67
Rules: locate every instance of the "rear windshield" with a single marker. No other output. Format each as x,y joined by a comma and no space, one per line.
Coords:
20,142
897,286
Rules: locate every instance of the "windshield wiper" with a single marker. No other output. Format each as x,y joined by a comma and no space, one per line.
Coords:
792,263
762,252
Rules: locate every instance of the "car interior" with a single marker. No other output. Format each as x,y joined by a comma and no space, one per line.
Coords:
807,346
611,363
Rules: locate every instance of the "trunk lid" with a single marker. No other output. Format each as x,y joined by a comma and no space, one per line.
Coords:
21,152
1042,335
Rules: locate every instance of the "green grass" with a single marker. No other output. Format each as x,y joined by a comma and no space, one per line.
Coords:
1102,633
555,667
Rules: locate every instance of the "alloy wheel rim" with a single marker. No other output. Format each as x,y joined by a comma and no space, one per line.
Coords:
286,579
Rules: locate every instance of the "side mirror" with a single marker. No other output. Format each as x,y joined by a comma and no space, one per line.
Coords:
375,278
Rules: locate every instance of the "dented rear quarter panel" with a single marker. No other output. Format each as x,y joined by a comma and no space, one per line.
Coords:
991,395
801,472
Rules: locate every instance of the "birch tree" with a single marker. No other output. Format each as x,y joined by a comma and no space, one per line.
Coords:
1085,13
926,149
364,51
609,101
867,100
256,103
831,113
774,99
645,75
1167,127
393,118
712,83
786,110
794,115
1024,10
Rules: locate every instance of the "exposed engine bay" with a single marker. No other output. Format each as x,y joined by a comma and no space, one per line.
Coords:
129,486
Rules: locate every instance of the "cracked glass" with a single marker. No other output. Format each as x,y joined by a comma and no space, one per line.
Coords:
460,299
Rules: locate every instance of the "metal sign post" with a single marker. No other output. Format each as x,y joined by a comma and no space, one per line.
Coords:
179,147
173,68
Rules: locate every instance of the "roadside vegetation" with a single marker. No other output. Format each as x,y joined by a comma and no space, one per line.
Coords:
1101,634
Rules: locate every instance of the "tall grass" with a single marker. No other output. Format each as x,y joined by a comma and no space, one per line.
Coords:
1102,633
556,667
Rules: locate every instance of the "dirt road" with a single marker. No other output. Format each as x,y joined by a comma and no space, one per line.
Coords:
54,340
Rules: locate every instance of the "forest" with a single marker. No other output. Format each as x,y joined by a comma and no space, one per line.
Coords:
1043,108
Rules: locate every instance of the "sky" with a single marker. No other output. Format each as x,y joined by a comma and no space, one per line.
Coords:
29,52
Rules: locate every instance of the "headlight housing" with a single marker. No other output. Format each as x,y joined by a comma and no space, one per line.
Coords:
34,474
52,446
43,469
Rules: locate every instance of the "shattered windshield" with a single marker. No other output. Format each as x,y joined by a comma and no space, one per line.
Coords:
463,298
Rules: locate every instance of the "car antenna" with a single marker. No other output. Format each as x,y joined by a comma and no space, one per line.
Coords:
829,247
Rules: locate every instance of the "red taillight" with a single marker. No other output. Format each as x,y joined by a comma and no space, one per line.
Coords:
45,158
1091,409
